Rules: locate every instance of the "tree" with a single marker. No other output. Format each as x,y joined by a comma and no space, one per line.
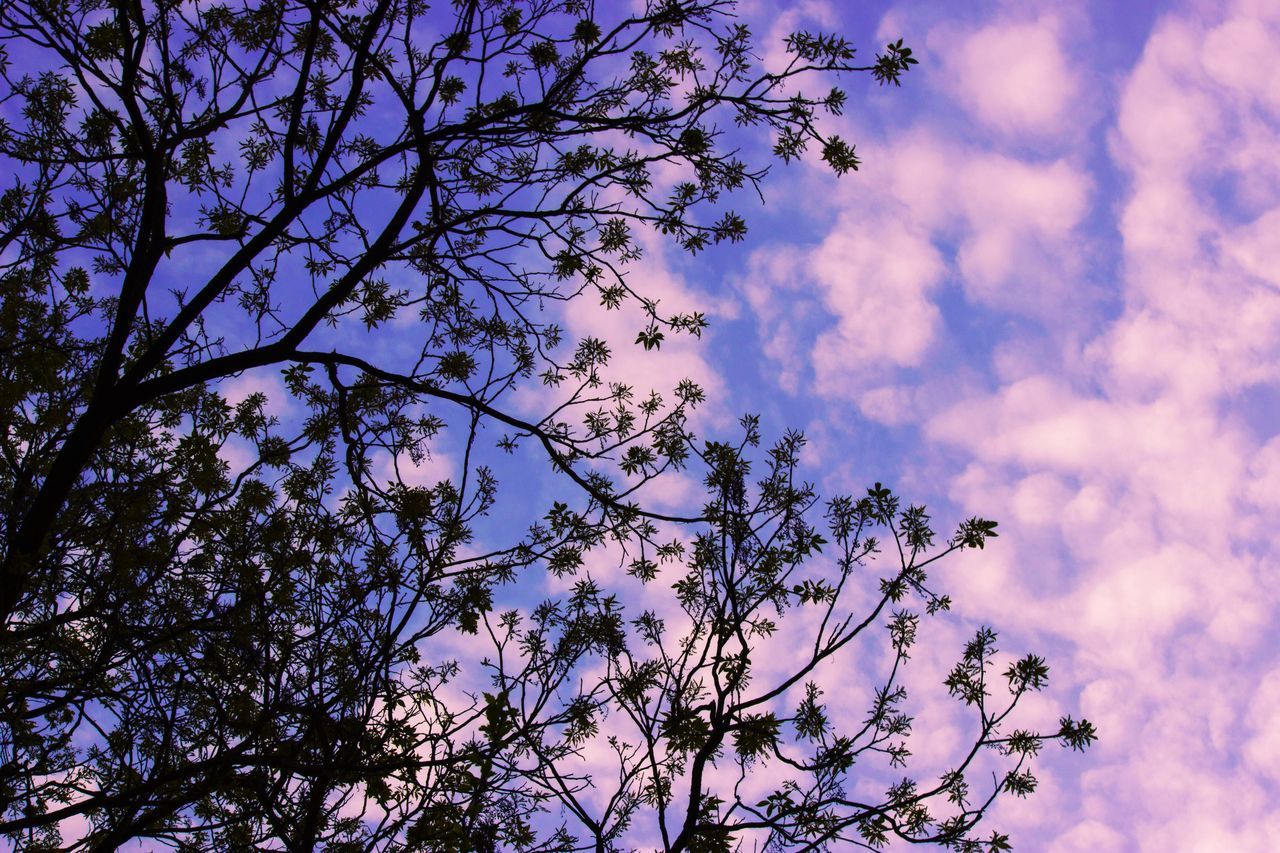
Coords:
229,628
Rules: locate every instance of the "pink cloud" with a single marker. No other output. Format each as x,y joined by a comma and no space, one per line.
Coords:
1020,218
1238,55
680,355
777,290
876,281
1263,486
1255,248
786,18
1014,76
1016,220
279,403
1262,749
860,307
871,285
1136,470
435,467
889,404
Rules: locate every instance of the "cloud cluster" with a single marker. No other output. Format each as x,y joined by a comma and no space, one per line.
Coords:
1012,75
1063,281
1148,460
1123,427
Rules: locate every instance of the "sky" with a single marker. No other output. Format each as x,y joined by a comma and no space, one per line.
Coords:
1051,296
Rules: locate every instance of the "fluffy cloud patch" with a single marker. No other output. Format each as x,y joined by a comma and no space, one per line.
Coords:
862,304
1019,218
1014,76
1116,291
877,283
1144,469
1015,221
278,402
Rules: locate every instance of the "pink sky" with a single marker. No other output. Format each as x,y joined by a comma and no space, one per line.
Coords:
1052,297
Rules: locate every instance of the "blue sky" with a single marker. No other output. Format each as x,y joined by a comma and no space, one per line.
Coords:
1051,297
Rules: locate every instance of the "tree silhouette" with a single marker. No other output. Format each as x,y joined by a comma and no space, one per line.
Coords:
236,625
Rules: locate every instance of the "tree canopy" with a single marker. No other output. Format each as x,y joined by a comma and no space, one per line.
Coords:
239,623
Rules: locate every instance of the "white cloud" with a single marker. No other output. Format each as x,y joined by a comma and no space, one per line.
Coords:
877,282
1014,76
862,304
1139,471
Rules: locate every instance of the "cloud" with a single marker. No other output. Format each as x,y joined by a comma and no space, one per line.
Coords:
792,16
266,382
1013,76
875,279
1262,749
777,290
1142,471
1015,221
1019,218
1237,54
861,305
436,466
